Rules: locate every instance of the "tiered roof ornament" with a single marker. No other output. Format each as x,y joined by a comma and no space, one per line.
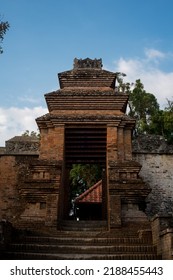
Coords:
87,73
87,63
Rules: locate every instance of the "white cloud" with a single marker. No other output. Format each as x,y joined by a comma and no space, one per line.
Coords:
29,99
14,121
153,54
155,80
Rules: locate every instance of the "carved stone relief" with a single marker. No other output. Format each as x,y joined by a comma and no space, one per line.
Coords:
21,147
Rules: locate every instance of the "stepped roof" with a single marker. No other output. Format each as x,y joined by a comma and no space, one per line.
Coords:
87,73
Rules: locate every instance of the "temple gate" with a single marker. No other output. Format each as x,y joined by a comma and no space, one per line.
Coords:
86,123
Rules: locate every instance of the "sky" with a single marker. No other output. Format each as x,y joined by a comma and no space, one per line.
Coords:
131,36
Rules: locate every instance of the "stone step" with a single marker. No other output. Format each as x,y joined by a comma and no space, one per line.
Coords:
50,256
81,244
82,240
95,225
82,249
93,233
80,233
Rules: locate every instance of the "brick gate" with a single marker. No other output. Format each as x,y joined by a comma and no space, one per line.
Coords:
86,123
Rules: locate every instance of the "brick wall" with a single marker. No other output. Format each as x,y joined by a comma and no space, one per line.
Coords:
10,168
8,192
156,170
52,143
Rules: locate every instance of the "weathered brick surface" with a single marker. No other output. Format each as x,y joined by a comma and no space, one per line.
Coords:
158,172
52,143
162,235
115,213
10,167
167,244
8,192
111,143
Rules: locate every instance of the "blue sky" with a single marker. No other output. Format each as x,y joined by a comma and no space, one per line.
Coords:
132,36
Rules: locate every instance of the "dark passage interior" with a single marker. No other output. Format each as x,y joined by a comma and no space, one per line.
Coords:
85,145
85,165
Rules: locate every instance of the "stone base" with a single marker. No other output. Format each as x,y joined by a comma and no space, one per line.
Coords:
134,216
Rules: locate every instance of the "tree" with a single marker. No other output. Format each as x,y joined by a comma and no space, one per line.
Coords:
157,123
162,122
143,106
123,87
83,176
168,121
31,134
4,26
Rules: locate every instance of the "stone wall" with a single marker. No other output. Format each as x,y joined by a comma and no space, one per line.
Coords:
156,158
157,171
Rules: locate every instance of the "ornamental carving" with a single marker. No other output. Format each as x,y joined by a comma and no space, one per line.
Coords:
87,63
22,147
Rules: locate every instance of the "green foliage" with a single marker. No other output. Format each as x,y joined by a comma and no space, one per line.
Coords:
123,87
4,26
162,123
143,106
157,123
32,134
83,176
168,121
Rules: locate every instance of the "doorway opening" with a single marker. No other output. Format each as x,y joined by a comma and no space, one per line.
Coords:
85,193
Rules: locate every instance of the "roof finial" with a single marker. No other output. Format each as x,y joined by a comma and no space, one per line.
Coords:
87,63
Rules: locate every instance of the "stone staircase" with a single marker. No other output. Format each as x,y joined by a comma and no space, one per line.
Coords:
73,225
82,244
